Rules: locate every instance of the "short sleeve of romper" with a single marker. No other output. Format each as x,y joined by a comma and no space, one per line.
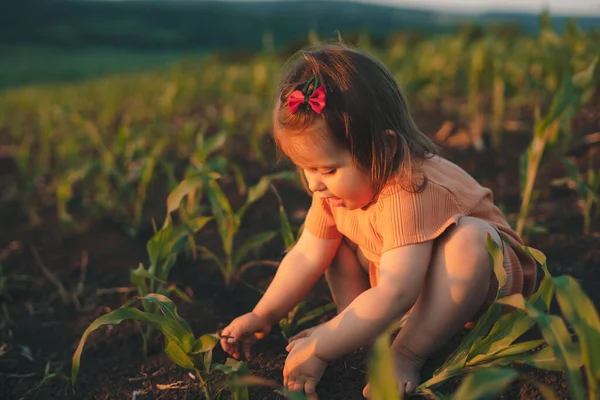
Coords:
319,220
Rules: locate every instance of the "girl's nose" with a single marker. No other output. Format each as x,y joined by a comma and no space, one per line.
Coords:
315,184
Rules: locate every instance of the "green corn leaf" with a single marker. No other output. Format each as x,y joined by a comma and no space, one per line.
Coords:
178,292
286,229
218,199
545,390
227,222
236,368
207,362
238,175
157,246
179,236
382,372
570,92
207,147
138,278
315,313
168,308
542,359
457,360
194,225
588,76
557,336
257,191
433,395
497,257
232,366
183,189
205,343
254,242
212,256
512,325
582,316
175,348
515,349
485,383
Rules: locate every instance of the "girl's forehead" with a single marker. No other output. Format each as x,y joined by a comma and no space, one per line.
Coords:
312,150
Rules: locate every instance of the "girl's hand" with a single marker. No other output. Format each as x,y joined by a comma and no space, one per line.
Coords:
246,330
303,369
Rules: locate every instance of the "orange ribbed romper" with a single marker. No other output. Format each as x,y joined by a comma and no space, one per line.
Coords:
399,218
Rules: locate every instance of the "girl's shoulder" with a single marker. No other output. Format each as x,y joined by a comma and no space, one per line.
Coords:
437,182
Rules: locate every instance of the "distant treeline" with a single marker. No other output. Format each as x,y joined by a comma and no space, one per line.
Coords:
193,25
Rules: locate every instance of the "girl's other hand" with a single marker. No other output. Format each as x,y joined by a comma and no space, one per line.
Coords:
245,329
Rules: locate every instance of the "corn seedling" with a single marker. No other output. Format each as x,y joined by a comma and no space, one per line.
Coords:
181,346
49,376
292,323
565,102
228,224
588,190
162,250
258,381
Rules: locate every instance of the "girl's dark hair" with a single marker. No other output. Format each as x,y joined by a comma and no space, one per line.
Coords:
366,113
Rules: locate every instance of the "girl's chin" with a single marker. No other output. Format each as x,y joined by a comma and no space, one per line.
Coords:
335,202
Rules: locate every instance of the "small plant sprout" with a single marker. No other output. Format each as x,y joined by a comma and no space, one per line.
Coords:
568,99
228,223
182,347
587,188
292,324
162,249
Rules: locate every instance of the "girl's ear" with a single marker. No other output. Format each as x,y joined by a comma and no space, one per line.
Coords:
391,139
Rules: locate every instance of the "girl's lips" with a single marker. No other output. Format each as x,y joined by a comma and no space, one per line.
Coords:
335,201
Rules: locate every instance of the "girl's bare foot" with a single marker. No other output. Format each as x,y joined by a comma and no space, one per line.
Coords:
408,368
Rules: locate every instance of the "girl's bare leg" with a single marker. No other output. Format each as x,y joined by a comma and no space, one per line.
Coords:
456,286
346,278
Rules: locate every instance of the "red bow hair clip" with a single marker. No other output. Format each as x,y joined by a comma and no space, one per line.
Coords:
316,99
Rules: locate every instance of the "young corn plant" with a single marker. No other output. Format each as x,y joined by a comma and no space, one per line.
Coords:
162,249
228,223
181,346
293,323
588,190
569,98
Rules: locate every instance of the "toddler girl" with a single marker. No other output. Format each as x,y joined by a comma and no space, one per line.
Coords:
394,227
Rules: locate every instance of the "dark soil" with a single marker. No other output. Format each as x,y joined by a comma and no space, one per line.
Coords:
36,327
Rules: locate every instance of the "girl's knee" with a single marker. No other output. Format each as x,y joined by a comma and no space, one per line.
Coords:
470,237
465,251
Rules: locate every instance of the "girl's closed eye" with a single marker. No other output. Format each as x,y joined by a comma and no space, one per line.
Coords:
330,172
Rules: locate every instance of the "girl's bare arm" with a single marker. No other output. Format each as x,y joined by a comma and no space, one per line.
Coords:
298,272
402,274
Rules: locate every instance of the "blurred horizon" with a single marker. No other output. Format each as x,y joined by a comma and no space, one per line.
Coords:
556,7
62,41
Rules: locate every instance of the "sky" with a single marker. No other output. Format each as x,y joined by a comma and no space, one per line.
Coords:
556,7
